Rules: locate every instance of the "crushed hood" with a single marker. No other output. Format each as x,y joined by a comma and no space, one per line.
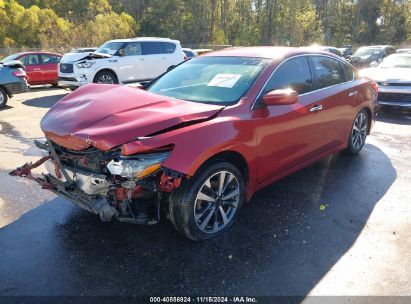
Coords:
106,116
74,57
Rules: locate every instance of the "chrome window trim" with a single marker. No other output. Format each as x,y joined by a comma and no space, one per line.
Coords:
253,106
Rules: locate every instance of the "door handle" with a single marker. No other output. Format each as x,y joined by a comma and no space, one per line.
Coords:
316,108
38,69
141,59
353,93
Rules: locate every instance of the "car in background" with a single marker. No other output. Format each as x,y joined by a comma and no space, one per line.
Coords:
329,49
393,75
405,50
346,51
83,50
121,61
203,137
367,55
202,51
41,67
12,80
189,53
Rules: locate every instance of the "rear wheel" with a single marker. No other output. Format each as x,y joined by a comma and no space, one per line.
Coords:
3,98
358,133
207,204
105,77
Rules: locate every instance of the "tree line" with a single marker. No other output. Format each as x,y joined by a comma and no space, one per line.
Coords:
70,23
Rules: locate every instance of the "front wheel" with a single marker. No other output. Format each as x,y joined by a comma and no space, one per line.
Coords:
207,204
358,133
105,77
3,98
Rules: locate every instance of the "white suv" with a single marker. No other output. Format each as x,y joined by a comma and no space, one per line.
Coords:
121,61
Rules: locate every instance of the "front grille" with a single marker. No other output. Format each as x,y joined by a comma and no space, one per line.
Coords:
398,97
66,67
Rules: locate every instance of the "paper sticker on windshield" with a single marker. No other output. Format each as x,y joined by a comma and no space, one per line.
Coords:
224,80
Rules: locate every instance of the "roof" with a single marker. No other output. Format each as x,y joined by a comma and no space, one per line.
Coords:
38,52
144,39
271,52
376,46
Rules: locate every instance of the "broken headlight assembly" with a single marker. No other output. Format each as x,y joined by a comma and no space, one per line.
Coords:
137,166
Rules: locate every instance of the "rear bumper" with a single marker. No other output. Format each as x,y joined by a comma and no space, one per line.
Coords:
17,87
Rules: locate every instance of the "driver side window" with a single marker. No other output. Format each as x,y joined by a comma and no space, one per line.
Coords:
30,60
294,73
132,49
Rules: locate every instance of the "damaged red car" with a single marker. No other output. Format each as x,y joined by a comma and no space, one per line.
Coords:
197,142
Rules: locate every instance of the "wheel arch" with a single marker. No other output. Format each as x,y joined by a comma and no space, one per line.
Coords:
6,90
369,114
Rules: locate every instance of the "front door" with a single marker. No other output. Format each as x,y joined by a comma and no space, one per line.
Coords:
288,135
33,68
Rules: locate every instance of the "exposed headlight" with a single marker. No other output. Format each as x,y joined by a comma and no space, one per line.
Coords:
138,167
86,64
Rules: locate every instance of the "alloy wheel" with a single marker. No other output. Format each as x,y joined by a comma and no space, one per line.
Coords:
106,79
359,130
216,202
1,98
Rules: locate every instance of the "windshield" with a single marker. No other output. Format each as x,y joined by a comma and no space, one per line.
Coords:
368,51
214,80
396,61
10,58
109,48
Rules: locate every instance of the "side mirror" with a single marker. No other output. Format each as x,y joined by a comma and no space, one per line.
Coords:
280,97
122,52
373,64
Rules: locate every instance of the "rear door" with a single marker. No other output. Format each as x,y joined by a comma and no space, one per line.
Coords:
49,68
33,68
338,95
155,60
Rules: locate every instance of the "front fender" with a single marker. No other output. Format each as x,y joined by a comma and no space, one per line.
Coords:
193,145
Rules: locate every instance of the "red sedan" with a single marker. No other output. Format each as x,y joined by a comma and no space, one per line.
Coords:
197,142
41,67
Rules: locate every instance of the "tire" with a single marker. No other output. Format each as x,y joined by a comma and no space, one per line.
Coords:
3,98
358,133
54,85
105,77
194,208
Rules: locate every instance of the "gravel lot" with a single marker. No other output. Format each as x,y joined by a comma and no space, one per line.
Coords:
284,243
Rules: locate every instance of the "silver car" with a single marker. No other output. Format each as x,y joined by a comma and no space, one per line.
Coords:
393,76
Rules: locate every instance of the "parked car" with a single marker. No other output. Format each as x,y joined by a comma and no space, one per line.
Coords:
41,67
121,61
406,50
189,53
203,137
329,49
202,51
346,51
83,50
393,76
12,80
367,55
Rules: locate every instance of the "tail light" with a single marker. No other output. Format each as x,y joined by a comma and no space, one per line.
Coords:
19,73
374,85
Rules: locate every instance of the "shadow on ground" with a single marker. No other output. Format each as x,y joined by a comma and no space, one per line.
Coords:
282,244
44,102
395,116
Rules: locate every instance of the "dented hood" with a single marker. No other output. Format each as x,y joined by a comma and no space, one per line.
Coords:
105,116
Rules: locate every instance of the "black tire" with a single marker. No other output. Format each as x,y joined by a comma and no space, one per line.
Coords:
54,85
105,77
3,98
358,133
184,202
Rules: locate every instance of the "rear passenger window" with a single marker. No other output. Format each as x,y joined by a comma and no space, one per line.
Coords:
328,71
349,72
151,48
295,74
50,59
168,47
